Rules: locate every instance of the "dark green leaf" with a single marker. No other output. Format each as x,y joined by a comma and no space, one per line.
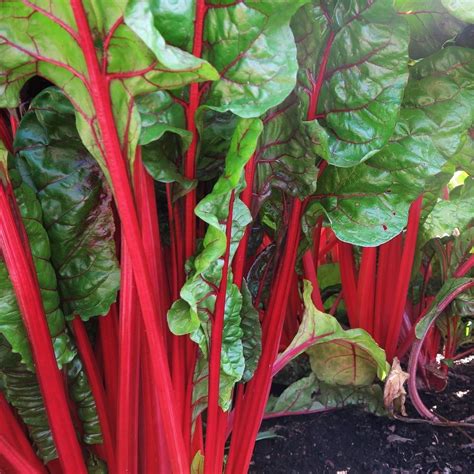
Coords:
252,334
368,204
22,391
365,45
11,323
76,205
430,25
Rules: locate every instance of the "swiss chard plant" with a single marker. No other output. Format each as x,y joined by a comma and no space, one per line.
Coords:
198,197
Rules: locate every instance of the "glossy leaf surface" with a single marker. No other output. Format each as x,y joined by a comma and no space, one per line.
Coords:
353,87
11,324
76,205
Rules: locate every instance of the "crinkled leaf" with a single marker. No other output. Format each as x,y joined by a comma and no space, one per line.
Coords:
368,204
139,17
252,333
464,159
76,205
462,249
312,395
159,114
430,25
260,275
363,81
337,356
190,314
461,9
164,138
22,391
249,43
41,40
80,392
286,156
452,215
11,323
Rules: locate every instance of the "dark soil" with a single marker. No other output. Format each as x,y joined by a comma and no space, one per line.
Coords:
352,441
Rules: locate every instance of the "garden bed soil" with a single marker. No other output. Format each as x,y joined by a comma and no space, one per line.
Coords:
352,441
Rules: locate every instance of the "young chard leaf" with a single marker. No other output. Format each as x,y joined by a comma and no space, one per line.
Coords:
193,312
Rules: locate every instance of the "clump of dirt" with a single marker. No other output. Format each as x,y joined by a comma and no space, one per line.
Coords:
350,440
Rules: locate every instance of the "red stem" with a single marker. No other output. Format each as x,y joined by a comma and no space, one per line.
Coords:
401,289
310,274
108,334
129,365
116,164
249,415
151,237
380,303
348,279
366,289
25,284
190,161
11,430
246,197
415,354
15,459
313,102
464,267
213,458
92,372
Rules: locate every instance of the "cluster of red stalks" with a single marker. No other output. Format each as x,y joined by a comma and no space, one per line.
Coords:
141,375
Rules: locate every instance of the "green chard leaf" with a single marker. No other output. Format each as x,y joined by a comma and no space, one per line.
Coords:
368,204
76,205
22,391
80,392
287,153
430,24
132,63
252,334
164,138
337,356
21,388
249,43
461,9
449,217
356,87
310,395
191,313
11,323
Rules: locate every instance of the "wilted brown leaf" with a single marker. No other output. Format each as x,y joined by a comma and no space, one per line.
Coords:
394,393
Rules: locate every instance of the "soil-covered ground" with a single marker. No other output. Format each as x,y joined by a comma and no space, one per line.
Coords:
352,441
